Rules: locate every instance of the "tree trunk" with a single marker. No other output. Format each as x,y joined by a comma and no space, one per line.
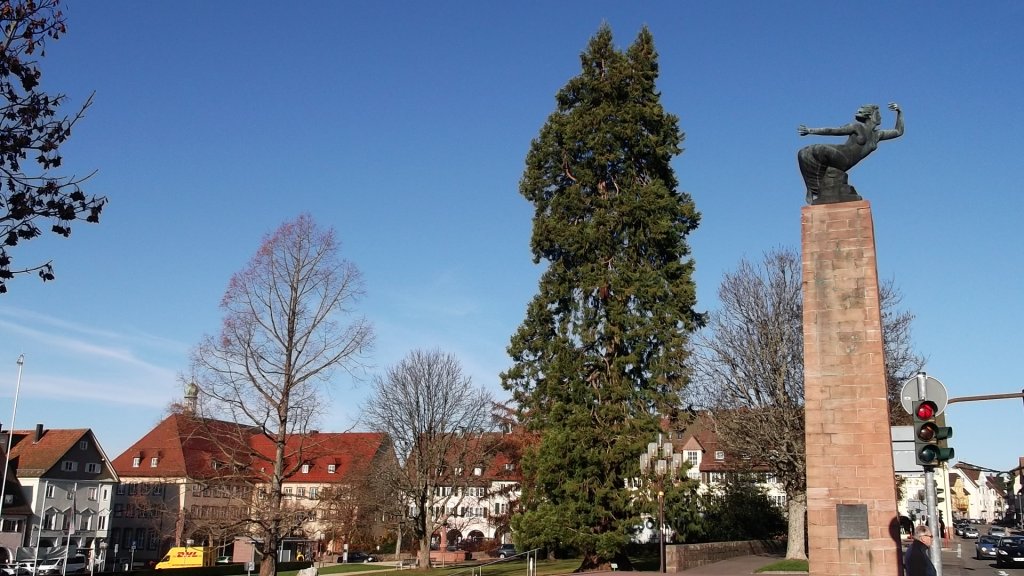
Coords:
796,549
423,562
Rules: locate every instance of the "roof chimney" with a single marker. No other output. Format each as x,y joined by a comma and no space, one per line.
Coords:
39,432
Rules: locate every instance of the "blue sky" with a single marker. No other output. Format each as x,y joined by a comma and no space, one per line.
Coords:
405,125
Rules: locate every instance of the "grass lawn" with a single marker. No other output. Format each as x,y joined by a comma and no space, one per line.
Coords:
785,566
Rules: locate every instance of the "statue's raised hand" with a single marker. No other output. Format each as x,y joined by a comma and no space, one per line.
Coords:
803,130
894,107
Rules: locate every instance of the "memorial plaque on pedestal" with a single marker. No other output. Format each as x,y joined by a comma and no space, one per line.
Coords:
852,521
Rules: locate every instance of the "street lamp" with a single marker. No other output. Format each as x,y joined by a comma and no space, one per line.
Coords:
10,435
662,461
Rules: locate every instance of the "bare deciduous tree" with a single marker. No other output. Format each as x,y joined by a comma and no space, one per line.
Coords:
439,425
749,371
288,326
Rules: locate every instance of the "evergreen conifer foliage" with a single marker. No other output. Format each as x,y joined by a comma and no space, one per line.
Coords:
601,352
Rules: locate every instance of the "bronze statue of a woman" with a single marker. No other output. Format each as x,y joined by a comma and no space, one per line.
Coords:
824,166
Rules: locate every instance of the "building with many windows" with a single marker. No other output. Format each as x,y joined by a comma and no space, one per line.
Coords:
202,480
66,488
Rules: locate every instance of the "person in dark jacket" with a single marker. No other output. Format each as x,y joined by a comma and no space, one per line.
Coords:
918,557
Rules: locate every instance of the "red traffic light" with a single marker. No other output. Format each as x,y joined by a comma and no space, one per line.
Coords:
926,410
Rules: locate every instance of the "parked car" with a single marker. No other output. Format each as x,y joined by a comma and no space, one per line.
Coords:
55,566
998,531
224,560
970,532
985,547
1010,550
503,551
357,558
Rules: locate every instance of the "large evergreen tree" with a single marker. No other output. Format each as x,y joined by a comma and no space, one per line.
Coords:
601,352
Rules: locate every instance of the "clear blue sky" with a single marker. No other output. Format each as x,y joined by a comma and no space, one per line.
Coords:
404,125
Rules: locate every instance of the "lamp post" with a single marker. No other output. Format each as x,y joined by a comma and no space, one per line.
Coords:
662,461
10,436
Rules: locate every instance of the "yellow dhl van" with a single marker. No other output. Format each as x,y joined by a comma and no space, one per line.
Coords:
186,557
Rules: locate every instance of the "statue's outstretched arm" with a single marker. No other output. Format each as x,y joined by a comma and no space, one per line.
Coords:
840,131
898,130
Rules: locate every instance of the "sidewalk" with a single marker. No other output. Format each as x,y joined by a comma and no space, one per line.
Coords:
738,566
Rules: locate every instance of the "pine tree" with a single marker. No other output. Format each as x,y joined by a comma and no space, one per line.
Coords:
601,353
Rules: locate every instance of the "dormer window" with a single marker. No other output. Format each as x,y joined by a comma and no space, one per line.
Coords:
305,468
153,461
509,467
331,468
719,455
136,461
478,471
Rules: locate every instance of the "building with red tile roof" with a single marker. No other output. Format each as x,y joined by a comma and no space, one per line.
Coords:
201,479
66,483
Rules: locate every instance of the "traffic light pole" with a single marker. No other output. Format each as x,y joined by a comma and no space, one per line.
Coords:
929,492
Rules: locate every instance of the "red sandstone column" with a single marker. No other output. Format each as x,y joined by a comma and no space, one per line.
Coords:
851,493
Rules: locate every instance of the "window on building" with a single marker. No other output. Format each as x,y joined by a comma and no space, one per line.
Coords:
288,491
11,525
83,444
691,457
458,470
92,493
158,489
106,493
102,523
719,455
120,489
153,462
136,461
331,468
92,468
478,471
305,468
314,493
301,491
132,487
49,490
509,466
69,466
69,495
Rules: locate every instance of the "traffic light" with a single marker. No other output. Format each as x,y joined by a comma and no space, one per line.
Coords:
927,435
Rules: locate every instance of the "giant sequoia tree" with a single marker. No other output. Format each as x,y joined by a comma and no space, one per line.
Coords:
602,350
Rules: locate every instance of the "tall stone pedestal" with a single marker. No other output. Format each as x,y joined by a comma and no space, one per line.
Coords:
851,492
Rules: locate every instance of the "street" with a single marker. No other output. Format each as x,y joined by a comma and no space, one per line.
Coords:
967,564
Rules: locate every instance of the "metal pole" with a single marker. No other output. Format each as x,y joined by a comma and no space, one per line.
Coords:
10,435
929,490
661,530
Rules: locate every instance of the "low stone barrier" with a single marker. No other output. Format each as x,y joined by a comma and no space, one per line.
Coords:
680,557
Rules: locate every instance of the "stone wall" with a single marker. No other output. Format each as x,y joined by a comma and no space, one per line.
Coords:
680,557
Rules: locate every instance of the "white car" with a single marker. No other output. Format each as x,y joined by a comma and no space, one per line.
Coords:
55,566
